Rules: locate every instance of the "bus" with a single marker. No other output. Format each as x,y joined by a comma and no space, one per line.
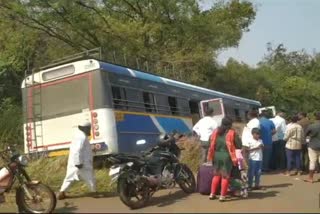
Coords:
124,106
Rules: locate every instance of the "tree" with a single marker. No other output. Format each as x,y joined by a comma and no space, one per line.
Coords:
172,33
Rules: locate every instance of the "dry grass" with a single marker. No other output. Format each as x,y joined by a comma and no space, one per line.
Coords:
191,154
51,171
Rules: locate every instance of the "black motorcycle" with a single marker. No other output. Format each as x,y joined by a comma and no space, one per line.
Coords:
31,196
140,176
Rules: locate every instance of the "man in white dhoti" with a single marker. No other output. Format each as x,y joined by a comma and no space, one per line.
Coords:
80,162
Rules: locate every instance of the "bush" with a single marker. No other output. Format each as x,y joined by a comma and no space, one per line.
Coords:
10,124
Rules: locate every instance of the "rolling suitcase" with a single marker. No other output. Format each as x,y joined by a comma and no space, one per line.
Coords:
204,178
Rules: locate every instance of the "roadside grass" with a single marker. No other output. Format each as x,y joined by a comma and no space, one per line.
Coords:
51,171
191,153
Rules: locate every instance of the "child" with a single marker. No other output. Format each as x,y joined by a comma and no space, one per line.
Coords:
238,182
254,149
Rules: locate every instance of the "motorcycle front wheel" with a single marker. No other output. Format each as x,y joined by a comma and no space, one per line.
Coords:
36,198
133,194
186,179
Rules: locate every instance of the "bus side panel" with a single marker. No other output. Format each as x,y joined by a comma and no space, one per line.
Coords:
58,137
106,127
58,132
132,127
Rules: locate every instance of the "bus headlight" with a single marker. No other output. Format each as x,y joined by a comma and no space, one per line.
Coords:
23,160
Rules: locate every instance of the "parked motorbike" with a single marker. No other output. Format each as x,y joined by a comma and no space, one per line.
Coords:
31,196
138,177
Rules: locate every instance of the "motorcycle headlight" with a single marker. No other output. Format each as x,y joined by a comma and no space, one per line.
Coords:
23,160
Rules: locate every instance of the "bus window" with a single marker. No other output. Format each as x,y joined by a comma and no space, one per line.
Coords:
194,110
247,116
119,98
162,104
237,115
216,105
173,105
64,98
135,100
183,107
194,107
149,102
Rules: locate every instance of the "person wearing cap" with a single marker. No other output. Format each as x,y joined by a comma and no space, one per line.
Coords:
80,161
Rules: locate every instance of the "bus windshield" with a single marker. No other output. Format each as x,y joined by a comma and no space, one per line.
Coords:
61,99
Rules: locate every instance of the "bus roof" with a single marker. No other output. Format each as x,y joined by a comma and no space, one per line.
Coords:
154,78
83,66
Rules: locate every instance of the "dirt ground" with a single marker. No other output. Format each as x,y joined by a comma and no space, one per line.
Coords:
282,194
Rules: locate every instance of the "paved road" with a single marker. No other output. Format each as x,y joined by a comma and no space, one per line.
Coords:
282,194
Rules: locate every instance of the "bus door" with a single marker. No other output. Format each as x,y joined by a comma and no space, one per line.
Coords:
271,109
216,105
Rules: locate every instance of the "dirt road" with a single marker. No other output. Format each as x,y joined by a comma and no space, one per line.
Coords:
282,194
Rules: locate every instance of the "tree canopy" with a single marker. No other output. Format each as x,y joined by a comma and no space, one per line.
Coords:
173,38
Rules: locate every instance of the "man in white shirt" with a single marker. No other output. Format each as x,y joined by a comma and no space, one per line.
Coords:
253,123
278,144
204,128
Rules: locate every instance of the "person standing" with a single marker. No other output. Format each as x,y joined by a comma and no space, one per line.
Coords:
267,129
80,161
253,123
254,148
313,133
222,153
204,128
304,122
278,161
294,137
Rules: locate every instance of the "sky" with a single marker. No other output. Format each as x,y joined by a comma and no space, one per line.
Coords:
295,23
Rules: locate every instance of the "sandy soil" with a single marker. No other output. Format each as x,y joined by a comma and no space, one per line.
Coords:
282,194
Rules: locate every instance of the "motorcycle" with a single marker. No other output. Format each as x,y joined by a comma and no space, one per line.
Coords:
31,196
138,177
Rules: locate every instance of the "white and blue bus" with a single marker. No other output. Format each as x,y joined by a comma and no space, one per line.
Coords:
124,105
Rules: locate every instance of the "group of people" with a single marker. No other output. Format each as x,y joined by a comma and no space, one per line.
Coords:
266,144
294,145
278,143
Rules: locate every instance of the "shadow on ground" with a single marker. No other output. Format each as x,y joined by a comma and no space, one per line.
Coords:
166,200
262,195
256,195
66,208
278,185
69,207
99,195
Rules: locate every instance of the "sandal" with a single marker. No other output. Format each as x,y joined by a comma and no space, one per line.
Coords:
212,197
222,198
